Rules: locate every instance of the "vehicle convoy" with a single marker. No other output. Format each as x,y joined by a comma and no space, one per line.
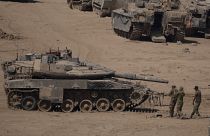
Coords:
198,22
156,19
55,79
104,7
83,5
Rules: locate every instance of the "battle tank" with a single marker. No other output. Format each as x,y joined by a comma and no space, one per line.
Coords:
104,7
198,21
156,19
83,5
55,79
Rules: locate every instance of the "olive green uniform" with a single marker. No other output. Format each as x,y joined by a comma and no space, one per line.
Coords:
173,95
180,101
196,103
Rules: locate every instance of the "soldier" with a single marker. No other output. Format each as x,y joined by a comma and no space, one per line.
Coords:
180,97
196,102
173,95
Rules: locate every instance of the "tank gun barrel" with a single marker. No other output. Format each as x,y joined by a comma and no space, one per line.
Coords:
139,77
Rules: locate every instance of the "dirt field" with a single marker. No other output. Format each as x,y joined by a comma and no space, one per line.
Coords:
50,24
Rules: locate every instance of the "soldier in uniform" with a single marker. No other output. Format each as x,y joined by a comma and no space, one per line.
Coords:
196,102
180,98
173,95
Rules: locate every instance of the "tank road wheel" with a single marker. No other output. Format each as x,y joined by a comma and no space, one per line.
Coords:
44,105
102,104
86,106
14,99
118,105
28,103
67,105
136,96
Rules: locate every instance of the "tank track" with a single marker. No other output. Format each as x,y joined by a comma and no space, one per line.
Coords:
15,101
134,33
78,5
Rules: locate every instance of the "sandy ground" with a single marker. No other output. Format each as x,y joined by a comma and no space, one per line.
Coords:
50,24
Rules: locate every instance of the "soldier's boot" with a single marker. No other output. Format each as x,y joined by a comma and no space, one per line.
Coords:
199,115
192,114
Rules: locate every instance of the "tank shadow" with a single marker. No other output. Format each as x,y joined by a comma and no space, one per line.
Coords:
190,41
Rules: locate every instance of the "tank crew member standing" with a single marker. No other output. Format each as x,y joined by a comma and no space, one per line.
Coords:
180,101
196,102
173,95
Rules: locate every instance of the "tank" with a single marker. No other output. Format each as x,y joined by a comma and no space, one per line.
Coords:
104,7
83,5
198,19
56,80
156,19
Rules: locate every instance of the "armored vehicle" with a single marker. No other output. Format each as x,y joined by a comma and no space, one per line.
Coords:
55,79
83,5
104,7
154,18
198,21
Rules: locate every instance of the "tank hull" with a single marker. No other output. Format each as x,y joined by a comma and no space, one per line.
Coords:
57,92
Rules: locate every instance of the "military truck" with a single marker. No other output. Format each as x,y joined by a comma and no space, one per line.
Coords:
55,79
104,7
155,19
83,5
198,21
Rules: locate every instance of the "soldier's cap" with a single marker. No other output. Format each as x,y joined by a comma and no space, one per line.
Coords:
196,87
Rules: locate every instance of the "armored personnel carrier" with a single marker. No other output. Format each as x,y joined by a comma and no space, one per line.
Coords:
198,21
104,7
83,5
154,18
55,79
